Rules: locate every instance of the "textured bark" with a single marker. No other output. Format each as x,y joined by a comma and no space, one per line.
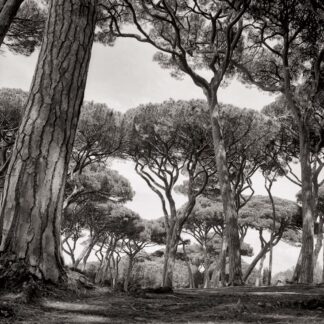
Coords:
307,248
33,192
187,261
219,273
259,279
8,10
206,266
170,257
231,215
323,264
128,273
319,241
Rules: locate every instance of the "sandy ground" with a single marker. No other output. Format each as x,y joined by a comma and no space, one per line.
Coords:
288,304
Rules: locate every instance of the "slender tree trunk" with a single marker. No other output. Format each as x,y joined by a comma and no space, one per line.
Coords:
206,266
128,273
319,241
170,257
231,215
307,248
297,270
8,11
270,263
86,251
33,193
259,279
252,265
187,261
323,263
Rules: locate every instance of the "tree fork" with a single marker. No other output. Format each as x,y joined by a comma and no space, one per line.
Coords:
32,199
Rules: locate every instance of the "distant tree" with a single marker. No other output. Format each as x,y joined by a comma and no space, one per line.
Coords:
100,135
258,214
97,183
118,224
8,10
137,238
26,28
203,224
165,140
285,44
246,135
192,36
12,103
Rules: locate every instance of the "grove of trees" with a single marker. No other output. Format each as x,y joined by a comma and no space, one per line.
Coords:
57,189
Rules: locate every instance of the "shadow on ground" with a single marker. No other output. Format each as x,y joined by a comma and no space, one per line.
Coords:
289,304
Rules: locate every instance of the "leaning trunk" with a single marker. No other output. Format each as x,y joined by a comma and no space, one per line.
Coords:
86,251
8,10
297,270
231,215
307,248
33,193
252,265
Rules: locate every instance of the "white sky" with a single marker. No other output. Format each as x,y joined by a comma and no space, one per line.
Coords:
125,76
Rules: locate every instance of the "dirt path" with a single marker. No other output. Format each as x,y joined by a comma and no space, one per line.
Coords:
227,305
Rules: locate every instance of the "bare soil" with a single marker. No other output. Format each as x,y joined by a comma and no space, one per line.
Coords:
287,304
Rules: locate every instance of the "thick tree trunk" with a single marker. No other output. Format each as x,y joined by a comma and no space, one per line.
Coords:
170,257
307,248
231,215
33,193
8,10
128,273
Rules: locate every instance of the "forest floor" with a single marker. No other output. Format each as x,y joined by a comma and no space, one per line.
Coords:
286,304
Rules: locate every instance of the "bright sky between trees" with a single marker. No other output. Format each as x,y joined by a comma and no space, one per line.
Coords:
124,76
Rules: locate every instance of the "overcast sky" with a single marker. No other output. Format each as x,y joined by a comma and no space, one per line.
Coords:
125,76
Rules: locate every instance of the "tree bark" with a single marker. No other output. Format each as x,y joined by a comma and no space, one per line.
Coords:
231,215
206,266
187,261
128,273
8,10
259,279
297,270
319,240
170,256
323,264
33,193
307,248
